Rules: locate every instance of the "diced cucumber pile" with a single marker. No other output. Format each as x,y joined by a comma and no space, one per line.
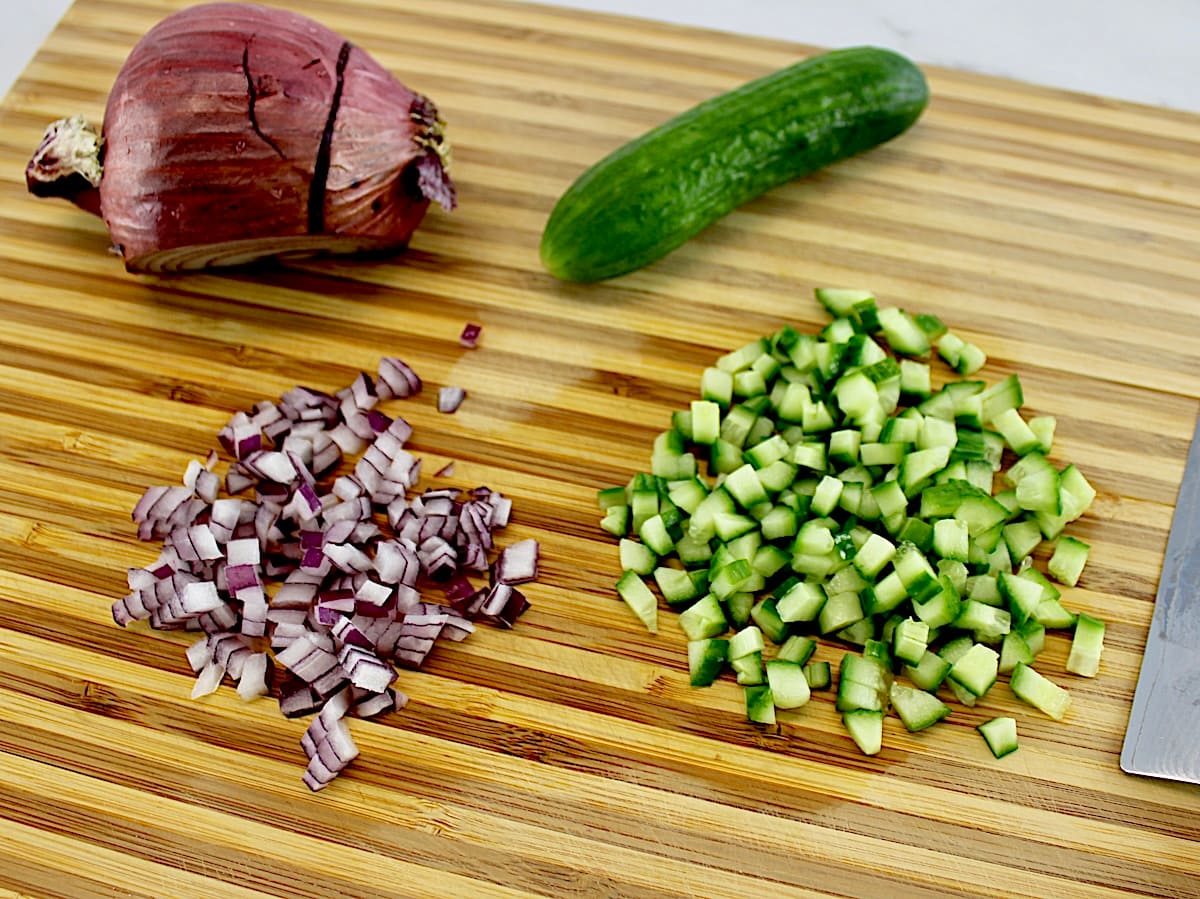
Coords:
821,487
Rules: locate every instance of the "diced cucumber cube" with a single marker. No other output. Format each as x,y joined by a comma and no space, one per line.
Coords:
748,669
763,453
1022,595
797,648
766,617
748,383
844,446
910,640
716,386
875,553
1022,538
800,601
856,395
858,633
940,608
1043,427
950,347
1034,634
929,672
827,494
693,552
840,301
676,585
917,709
737,608
989,624
633,590
1013,651
839,611
915,379
1000,734
608,497
635,556
706,659
818,675
921,465
616,521
865,727
1053,614
706,421
704,618
788,685
746,641
937,432
1016,432
760,704
743,357
970,359
1041,693
1000,397
654,534
902,332
1086,646
976,670
950,539
809,455
744,486
814,537
769,559
1067,562
779,522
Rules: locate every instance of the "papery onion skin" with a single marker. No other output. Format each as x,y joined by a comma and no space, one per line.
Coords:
235,132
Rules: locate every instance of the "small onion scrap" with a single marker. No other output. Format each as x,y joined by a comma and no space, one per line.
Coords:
450,398
317,579
470,335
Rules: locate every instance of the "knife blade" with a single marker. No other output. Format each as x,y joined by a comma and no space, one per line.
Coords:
1163,737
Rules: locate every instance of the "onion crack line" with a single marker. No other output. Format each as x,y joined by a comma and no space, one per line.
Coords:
252,93
316,189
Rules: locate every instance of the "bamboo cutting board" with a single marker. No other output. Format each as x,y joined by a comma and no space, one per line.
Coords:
568,757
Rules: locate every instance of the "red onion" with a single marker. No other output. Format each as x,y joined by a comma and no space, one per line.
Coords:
450,398
291,141
304,576
470,335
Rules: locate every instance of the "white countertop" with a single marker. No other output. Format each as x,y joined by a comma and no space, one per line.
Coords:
1143,51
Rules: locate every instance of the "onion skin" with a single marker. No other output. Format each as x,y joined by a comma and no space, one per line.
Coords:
236,132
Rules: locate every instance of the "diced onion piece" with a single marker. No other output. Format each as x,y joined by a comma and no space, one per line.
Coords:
209,679
450,398
470,335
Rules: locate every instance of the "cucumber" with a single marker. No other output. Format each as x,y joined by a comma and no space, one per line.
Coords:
1086,646
1000,735
640,599
805,530
706,659
1040,692
789,688
916,708
657,191
760,704
865,727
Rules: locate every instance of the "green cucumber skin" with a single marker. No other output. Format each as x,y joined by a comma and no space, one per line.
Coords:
657,191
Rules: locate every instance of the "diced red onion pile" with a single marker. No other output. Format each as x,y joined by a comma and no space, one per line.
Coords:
318,574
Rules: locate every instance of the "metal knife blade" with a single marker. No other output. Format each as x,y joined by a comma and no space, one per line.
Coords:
1163,738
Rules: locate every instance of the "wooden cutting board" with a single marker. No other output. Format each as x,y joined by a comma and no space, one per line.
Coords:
568,757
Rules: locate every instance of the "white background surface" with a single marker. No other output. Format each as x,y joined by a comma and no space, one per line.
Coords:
1142,50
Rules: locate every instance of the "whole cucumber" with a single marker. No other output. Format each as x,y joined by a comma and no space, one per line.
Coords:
655,192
